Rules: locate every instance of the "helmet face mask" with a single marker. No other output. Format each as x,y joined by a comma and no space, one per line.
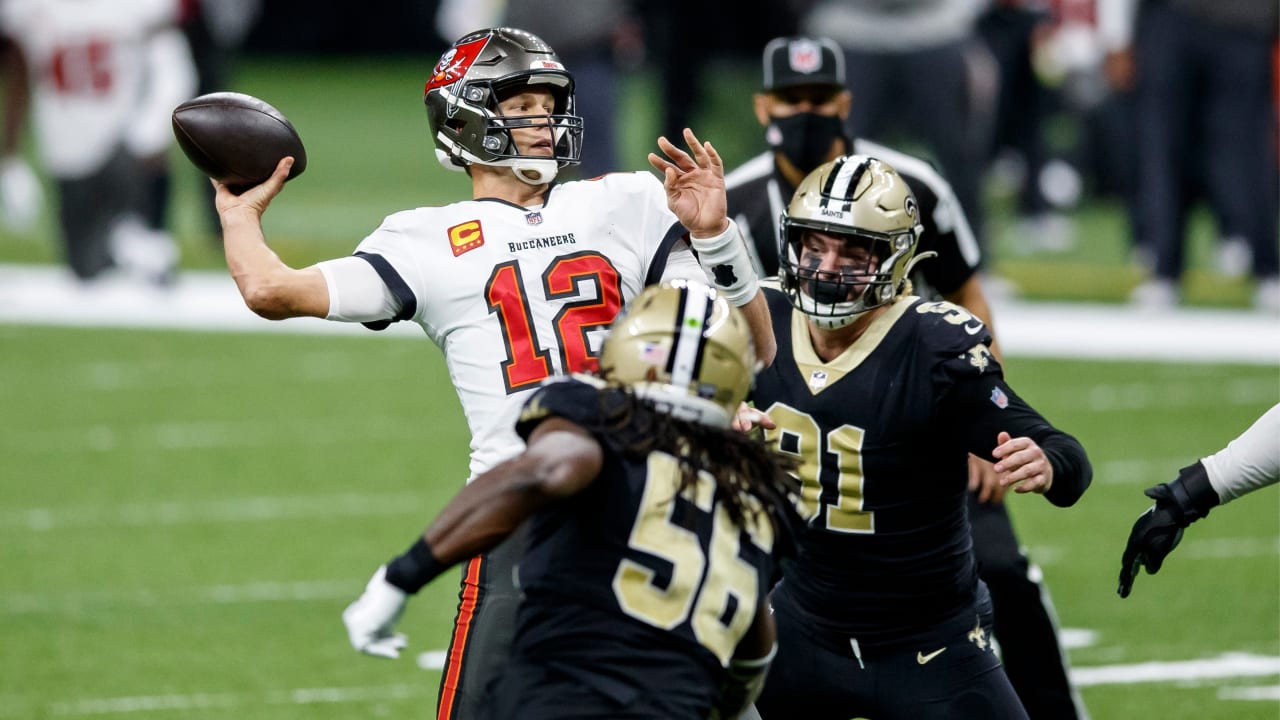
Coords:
469,83
681,346
847,240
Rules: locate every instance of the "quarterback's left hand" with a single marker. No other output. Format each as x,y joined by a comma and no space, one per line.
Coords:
1022,464
372,618
695,185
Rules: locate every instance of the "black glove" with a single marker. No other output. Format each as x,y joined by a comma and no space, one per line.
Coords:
1159,530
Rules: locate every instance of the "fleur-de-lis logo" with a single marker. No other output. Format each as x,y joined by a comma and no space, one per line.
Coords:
978,637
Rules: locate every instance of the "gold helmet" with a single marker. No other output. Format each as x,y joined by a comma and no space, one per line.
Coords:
682,346
866,203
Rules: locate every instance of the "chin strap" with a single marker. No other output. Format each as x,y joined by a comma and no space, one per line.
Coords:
528,170
535,172
916,260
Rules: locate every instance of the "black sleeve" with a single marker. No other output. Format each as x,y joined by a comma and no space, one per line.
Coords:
981,406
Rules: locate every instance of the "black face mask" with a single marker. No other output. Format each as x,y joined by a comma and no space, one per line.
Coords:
804,138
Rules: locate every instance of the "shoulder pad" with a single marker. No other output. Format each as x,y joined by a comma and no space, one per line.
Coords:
573,398
949,328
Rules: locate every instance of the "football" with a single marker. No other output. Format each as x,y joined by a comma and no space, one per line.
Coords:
236,139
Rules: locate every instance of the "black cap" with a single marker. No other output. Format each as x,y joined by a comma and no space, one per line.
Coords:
791,61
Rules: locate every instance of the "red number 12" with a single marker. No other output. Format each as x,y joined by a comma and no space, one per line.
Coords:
528,363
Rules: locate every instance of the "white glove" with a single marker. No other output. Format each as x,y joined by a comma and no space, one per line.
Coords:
20,194
372,618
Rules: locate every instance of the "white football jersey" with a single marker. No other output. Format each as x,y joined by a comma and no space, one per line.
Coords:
89,64
514,295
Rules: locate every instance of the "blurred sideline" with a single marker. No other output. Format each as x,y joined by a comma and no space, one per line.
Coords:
208,300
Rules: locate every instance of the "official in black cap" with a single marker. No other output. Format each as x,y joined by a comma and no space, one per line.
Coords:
803,103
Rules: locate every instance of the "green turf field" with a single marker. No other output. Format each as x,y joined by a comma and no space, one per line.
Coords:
184,515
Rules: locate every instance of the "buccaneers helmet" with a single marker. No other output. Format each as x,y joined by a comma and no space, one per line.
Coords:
466,86
864,202
683,347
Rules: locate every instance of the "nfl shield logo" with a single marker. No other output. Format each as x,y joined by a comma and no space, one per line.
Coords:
999,399
533,218
818,379
805,56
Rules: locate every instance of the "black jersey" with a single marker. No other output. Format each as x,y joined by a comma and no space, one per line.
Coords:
628,585
884,432
758,194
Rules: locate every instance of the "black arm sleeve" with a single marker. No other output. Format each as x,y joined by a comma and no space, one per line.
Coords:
982,406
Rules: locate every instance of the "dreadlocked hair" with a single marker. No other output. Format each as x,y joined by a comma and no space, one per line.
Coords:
750,477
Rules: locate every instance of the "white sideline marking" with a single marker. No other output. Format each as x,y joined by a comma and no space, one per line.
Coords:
247,509
1216,549
199,300
37,603
1127,397
1229,665
1228,548
1250,693
201,701
1076,638
208,300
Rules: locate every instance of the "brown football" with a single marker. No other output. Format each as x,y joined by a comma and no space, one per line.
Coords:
236,139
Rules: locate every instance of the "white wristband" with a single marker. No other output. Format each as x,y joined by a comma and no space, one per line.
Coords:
725,260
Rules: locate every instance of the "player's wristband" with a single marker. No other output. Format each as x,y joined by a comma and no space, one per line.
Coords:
415,568
743,682
1193,493
724,258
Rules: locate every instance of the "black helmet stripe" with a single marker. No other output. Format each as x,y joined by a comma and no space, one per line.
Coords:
832,174
841,183
689,338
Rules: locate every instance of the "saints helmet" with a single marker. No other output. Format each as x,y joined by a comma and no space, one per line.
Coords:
866,202
466,86
683,347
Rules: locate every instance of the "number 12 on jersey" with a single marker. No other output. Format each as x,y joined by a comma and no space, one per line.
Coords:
528,362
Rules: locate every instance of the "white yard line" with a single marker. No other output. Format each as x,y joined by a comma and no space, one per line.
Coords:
233,510
204,701
1225,666
258,592
1266,693
207,300
1217,549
